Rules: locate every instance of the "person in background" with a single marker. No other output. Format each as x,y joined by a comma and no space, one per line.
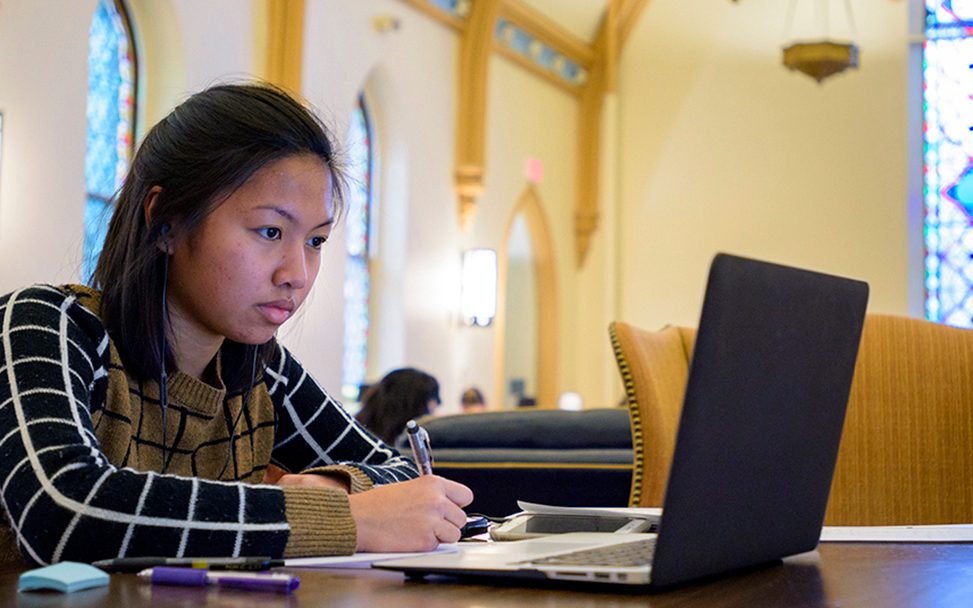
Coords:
472,401
155,414
402,395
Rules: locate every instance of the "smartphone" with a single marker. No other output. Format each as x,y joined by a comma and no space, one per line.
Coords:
530,525
475,525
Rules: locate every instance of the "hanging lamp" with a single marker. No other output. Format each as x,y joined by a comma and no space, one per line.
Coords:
822,58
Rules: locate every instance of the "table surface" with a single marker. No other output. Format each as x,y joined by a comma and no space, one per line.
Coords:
837,574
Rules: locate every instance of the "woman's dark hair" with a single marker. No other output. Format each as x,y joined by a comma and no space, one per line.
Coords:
400,396
199,154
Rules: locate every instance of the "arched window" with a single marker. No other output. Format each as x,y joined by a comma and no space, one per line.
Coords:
948,90
111,121
357,280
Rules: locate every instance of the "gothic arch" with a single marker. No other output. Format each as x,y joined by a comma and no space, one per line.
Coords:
530,207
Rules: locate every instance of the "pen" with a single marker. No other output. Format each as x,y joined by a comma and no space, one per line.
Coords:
421,450
193,577
137,564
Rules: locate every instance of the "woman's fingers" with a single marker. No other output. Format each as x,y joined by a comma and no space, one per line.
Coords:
413,515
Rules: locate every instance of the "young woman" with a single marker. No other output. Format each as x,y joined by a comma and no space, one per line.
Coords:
400,396
150,417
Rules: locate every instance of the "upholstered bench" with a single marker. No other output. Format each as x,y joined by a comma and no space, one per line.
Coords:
570,458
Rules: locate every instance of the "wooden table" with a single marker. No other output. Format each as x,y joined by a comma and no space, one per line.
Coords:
838,574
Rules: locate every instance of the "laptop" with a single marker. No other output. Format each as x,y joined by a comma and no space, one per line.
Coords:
755,451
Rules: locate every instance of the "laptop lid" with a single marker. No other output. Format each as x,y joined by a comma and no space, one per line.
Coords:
757,442
762,416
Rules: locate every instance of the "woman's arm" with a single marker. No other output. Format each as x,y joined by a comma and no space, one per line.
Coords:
62,496
315,433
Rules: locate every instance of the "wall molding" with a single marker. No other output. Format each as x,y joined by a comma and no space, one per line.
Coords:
285,44
598,61
476,45
531,207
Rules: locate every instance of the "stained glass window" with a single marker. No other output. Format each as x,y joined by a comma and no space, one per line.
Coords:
948,108
459,8
111,119
357,283
532,48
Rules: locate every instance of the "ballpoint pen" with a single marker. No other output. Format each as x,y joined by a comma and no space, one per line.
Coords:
137,564
193,577
421,450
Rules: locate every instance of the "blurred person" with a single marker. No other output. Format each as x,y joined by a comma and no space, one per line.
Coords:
472,401
402,395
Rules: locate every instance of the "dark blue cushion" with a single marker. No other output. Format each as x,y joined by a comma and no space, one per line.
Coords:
549,456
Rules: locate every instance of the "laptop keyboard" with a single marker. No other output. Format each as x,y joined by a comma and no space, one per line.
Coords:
636,553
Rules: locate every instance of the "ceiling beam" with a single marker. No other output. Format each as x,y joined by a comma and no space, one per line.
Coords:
545,29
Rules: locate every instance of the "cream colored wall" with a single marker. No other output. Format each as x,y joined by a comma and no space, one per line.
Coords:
161,60
43,82
722,149
520,343
528,118
710,145
598,281
43,68
408,76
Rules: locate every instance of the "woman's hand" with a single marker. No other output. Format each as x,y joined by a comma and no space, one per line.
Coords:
414,515
278,476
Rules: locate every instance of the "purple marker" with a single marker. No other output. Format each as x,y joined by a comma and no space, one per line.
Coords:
195,577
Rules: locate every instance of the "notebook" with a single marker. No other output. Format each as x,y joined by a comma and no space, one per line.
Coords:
756,447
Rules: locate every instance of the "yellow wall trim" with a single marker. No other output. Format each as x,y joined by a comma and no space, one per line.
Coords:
545,271
285,43
474,61
599,59
616,26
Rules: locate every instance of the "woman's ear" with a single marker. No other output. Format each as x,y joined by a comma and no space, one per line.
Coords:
148,207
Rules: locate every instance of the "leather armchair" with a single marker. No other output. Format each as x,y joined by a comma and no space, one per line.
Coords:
906,453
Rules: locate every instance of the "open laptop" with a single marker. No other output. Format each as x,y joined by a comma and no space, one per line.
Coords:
756,447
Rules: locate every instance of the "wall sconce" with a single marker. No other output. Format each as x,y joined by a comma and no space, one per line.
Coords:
384,24
479,284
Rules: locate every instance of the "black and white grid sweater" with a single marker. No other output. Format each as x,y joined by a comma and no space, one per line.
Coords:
81,447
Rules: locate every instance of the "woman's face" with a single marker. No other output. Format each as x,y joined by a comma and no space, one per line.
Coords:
250,264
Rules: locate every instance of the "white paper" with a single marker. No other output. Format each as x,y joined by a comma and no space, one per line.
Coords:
361,560
955,533
651,513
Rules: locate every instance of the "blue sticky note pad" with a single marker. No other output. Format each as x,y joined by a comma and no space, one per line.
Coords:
66,577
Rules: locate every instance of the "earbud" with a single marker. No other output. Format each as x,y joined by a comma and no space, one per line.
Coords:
164,231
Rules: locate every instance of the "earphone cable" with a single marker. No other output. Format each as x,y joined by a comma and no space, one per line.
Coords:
230,452
163,377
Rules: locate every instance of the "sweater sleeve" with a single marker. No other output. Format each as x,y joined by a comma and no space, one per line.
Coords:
61,496
315,433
